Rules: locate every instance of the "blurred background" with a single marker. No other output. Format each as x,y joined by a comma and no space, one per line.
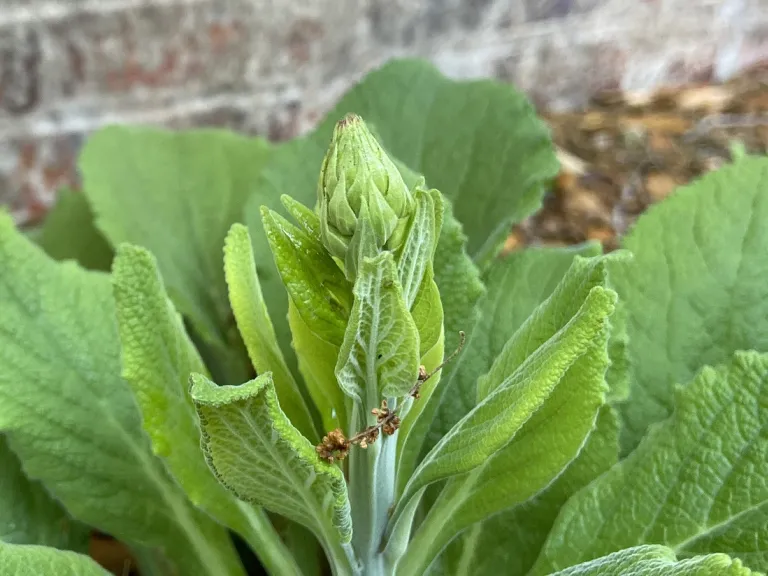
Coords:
273,67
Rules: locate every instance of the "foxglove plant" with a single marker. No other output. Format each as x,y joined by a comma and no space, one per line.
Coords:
364,387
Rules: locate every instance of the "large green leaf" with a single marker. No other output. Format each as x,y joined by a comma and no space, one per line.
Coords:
697,482
696,290
657,561
73,421
479,143
158,359
31,560
548,377
255,325
516,285
508,543
177,194
69,233
257,454
28,514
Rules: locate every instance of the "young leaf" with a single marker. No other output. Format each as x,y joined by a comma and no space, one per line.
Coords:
582,277
28,514
321,300
69,233
459,285
695,291
25,560
259,456
514,396
256,327
59,353
158,359
422,296
695,483
657,561
379,357
517,285
420,243
518,427
509,542
177,194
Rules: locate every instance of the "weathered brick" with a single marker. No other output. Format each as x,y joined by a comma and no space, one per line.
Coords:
274,67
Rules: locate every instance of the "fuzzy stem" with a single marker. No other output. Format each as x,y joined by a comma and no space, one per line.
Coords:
371,491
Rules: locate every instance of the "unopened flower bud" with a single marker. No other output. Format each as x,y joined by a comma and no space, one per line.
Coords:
359,180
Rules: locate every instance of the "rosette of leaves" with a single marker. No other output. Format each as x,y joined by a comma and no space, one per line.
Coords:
605,414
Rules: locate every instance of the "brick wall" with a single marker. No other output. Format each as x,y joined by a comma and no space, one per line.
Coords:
273,67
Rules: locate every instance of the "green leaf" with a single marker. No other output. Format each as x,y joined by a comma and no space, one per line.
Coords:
508,543
458,281
514,393
28,514
73,421
696,290
177,194
256,327
379,325
516,286
420,244
258,455
158,359
655,561
479,143
422,296
696,483
549,377
321,301
30,560
69,233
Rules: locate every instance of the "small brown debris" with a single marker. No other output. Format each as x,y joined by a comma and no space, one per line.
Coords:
391,425
334,446
367,436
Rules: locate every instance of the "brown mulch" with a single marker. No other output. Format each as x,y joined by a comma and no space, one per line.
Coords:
629,150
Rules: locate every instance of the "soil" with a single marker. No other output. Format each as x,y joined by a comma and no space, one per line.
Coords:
629,150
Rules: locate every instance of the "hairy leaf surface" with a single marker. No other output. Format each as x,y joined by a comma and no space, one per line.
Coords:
697,482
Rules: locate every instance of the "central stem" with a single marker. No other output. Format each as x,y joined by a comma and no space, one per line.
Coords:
371,491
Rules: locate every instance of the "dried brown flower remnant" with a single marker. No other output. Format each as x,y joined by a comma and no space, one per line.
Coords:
391,425
381,413
367,436
334,446
387,419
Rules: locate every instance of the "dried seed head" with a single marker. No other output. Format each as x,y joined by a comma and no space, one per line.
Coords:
369,436
381,413
334,446
391,425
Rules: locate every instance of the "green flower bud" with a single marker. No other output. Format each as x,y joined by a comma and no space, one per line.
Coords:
358,180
